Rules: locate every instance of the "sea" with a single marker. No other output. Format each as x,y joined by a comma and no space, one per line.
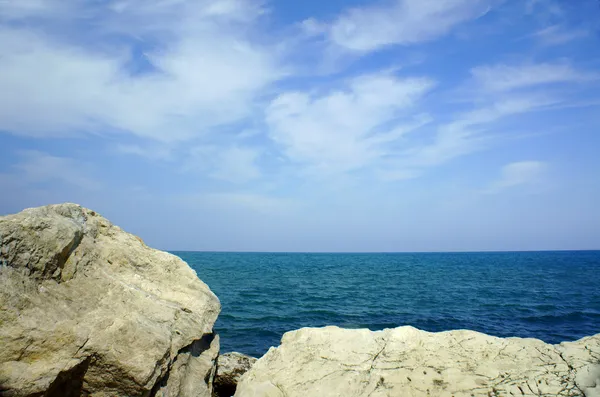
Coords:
552,296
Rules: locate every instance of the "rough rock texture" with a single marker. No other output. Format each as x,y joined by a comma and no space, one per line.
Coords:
193,372
87,309
408,362
230,368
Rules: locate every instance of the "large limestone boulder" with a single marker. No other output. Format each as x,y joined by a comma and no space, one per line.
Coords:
408,362
230,368
88,309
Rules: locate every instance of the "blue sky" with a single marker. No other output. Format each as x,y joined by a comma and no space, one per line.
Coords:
395,125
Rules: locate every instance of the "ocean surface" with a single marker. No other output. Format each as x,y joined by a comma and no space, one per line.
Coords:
553,296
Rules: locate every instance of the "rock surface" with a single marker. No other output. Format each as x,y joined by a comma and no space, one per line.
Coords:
230,368
88,309
408,362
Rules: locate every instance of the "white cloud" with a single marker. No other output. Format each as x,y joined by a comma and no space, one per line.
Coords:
501,92
37,167
204,67
398,22
558,34
517,174
516,104
502,77
469,132
346,129
202,70
365,125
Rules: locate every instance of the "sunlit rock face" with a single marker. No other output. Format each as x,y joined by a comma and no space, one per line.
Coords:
405,361
88,309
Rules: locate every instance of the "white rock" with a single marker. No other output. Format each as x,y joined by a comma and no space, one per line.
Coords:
405,361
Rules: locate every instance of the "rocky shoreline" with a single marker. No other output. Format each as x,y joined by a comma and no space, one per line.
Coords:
87,309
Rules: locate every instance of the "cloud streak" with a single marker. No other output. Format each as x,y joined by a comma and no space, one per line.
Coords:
398,22
517,174
558,35
502,78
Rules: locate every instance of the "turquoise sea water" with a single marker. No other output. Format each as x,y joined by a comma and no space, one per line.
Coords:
553,296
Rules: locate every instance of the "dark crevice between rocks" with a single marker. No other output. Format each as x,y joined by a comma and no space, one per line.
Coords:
195,349
225,383
69,383
223,387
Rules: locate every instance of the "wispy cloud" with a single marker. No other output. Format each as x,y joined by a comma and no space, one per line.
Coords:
497,93
559,34
347,128
503,77
469,132
365,124
517,174
199,69
398,22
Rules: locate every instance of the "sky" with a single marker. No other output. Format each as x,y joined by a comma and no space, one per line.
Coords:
247,125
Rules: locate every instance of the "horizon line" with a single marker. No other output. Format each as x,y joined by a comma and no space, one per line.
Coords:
388,252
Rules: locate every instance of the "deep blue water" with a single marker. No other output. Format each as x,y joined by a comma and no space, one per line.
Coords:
553,296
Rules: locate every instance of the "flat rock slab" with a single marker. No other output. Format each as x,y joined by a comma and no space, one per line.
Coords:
405,361
88,309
